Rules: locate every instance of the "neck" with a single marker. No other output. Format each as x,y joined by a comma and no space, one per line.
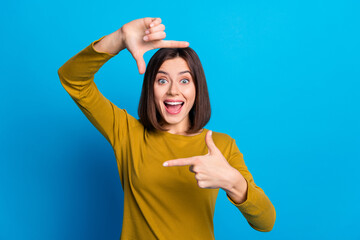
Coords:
179,129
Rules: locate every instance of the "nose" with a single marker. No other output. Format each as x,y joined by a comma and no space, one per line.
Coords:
173,89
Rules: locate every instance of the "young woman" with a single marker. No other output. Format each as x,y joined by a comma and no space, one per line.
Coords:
171,168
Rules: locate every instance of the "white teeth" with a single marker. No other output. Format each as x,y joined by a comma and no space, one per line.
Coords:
173,103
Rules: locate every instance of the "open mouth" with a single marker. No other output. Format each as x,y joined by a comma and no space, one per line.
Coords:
173,107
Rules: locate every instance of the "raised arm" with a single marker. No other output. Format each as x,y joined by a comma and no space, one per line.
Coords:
77,74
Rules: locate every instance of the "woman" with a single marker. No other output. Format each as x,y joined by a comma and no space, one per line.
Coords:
170,167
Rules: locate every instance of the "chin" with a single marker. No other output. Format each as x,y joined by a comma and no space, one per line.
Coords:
172,121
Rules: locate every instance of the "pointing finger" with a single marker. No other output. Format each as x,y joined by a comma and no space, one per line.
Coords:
179,162
171,44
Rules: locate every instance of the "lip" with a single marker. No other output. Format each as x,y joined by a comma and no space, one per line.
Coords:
172,100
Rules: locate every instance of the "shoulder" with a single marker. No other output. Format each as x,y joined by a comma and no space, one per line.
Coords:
227,145
221,137
222,141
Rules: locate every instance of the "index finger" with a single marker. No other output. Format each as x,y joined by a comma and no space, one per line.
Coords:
171,44
179,162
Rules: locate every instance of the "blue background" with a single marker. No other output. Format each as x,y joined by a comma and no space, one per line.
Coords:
283,78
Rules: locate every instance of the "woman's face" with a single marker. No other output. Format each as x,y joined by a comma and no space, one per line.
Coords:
174,91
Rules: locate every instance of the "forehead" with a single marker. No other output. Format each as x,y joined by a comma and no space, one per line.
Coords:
174,65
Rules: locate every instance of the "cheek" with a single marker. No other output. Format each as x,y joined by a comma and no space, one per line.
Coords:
191,94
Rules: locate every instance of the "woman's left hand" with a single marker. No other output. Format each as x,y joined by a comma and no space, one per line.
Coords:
211,170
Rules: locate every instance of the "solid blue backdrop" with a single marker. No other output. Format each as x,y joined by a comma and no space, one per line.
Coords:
283,78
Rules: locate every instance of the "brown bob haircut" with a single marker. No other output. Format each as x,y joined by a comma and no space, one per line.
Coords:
199,114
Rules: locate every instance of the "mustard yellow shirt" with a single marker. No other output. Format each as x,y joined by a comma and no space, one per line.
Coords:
159,202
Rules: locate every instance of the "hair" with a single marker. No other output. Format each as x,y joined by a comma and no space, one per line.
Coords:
199,114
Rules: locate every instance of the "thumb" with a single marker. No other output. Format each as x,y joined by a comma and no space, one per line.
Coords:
140,64
210,143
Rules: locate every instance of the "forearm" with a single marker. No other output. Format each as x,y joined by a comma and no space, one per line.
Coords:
112,43
251,200
237,187
83,66
78,72
256,208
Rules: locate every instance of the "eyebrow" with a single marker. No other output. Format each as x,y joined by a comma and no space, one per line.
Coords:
178,73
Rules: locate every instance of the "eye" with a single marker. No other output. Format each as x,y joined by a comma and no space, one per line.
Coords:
184,81
162,81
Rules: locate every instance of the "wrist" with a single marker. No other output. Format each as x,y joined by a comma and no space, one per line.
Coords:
116,41
120,39
236,186
112,43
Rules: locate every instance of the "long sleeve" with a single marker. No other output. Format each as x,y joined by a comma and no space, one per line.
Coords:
77,77
257,208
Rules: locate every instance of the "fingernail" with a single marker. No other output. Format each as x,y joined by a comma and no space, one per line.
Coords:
147,32
146,38
165,164
210,133
151,25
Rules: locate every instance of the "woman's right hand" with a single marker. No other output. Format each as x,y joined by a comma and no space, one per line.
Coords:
145,34
138,36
